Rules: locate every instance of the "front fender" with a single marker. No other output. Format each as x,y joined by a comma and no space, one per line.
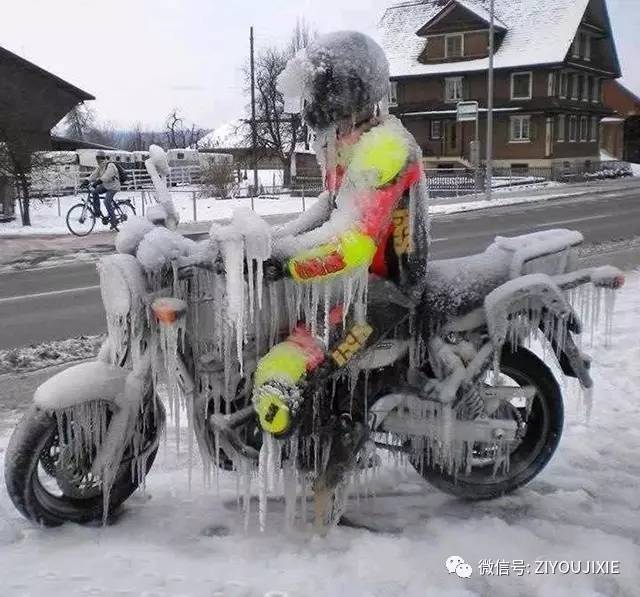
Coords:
80,384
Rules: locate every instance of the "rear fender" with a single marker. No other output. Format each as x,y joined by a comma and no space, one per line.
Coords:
573,362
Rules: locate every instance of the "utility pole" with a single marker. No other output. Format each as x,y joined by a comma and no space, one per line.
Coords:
489,179
254,132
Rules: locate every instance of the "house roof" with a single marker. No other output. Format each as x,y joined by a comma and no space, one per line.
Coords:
231,135
480,11
538,32
10,56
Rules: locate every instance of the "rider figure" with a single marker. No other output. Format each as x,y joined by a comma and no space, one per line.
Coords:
372,215
106,180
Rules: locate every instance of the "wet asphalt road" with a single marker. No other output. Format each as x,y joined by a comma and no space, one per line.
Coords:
61,302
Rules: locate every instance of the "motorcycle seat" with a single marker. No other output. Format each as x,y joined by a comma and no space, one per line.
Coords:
457,286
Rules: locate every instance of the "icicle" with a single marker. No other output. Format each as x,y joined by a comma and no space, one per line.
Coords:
263,480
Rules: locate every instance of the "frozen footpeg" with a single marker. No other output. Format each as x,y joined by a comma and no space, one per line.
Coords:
230,442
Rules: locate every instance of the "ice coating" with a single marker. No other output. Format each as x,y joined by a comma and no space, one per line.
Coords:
158,168
131,234
160,246
356,64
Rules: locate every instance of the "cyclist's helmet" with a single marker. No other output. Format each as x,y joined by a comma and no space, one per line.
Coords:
338,76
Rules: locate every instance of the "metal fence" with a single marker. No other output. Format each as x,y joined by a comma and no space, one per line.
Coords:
442,182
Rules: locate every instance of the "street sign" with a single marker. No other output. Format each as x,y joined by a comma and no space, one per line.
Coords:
467,111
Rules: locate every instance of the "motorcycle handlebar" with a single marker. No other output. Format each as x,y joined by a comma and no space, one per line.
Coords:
273,270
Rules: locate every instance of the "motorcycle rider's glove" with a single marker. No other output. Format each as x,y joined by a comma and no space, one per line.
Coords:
274,269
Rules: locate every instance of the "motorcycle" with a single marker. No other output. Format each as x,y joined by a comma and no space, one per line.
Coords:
454,387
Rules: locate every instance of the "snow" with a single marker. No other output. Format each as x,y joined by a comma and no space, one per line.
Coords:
31,358
539,32
131,233
231,135
635,169
45,217
175,541
161,245
349,55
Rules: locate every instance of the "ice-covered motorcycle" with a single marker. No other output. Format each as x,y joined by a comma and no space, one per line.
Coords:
454,386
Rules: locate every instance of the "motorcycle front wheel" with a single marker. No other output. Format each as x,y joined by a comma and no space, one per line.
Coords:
533,451
48,497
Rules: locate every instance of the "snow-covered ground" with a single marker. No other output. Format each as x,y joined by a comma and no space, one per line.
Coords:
31,358
175,542
45,219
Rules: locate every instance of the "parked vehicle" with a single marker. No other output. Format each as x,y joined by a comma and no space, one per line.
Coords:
480,419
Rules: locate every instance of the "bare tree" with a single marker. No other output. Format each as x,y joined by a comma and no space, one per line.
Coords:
179,134
79,122
17,158
277,132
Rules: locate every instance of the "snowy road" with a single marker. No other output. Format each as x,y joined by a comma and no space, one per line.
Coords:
60,302
175,542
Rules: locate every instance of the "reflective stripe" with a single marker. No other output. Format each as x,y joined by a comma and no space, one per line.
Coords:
284,362
354,250
382,151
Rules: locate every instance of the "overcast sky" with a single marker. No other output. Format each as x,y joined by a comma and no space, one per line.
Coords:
141,58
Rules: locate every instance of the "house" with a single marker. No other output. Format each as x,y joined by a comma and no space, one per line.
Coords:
234,137
620,134
33,100
551,60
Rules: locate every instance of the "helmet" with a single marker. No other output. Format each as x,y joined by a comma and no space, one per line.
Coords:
101,155
339,75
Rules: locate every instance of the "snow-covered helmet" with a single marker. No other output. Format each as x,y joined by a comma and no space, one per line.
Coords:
339,75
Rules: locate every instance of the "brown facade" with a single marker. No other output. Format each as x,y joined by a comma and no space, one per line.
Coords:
621,134
544,115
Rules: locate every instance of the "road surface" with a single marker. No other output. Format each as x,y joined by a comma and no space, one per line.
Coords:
62,302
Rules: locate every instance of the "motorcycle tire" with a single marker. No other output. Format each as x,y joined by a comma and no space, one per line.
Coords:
29,444
542,436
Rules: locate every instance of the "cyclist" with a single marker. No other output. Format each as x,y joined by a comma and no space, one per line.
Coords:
105,180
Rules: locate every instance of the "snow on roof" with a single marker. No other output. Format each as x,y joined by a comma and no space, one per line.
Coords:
538,32
482,12
231,135
471,6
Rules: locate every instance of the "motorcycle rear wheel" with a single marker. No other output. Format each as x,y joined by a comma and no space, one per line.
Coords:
32,449
543,432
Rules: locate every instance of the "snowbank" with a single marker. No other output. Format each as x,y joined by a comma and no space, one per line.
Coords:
173,541
30,358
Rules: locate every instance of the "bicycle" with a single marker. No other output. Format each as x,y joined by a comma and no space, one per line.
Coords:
81,218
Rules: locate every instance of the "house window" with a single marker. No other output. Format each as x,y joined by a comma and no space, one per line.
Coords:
575,47
453,89
521,86
436,130
551,85
575,86
586,83
595,95
584,129
561,124
520,129
564,85
594,129
573,129
454,45
587,48
393,93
